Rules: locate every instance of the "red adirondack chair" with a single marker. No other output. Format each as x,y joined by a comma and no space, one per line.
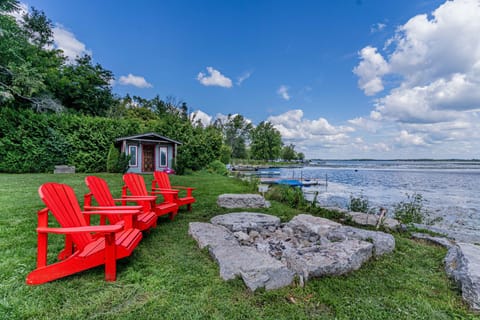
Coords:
145,220
136,185
161,183
85,246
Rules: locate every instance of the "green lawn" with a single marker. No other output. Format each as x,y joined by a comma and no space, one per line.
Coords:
168,277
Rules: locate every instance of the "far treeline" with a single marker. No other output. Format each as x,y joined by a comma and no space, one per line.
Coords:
57,111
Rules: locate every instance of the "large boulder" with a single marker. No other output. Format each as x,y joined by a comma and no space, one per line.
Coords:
306,223
335,258
257,270
382,242
246,221
366,219
462,263
233,200
207,234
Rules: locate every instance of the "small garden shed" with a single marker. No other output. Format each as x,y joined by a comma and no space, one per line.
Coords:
149,151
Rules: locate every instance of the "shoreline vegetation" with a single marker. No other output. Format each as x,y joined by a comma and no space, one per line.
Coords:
168,275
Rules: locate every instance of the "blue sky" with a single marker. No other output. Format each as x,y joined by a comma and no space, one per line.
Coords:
339,79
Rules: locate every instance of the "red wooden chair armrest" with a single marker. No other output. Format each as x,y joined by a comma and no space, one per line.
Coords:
99,208
137,198
113,212
88,229
160,191
184,188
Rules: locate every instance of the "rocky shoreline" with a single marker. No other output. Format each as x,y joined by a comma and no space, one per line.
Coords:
268,254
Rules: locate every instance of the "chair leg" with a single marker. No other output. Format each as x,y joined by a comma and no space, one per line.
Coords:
110,258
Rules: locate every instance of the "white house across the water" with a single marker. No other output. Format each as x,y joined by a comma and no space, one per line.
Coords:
149,152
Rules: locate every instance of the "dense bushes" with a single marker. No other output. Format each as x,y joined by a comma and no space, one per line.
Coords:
36,142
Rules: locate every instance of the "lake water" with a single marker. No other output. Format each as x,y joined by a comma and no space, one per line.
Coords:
450,189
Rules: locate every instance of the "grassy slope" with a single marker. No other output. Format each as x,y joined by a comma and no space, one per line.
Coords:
168,277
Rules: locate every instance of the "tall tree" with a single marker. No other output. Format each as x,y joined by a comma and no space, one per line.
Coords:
26,68
9,5
266,142
236,132
288,152
85,87
38,28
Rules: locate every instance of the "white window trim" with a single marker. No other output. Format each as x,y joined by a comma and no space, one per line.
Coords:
134,155
160,149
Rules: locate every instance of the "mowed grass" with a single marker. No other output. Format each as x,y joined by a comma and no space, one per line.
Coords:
168,277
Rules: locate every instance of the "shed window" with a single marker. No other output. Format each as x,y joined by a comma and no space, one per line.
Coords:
163,157
132,151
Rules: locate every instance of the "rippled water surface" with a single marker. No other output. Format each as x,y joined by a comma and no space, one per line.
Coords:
450,189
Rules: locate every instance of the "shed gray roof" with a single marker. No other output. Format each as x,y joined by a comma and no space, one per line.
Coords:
150,137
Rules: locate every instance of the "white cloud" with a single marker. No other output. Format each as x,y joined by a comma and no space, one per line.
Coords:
407,139
283,92
214,78
243,77
63,39
377,27
437,61
294,128
201,116
432,67
136,81
68,43
370,70
223,118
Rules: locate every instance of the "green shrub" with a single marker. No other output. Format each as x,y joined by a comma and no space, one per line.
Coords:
358,204
117,162
112,159
217,167
411,210
292,196
123,162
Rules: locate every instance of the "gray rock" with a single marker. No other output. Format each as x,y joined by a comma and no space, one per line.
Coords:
333,259
444,242
246,221
462,263
316,225
64,169
242,237
334,232
366,219
268,254
232,200
382,242
467,236
207,234
256,269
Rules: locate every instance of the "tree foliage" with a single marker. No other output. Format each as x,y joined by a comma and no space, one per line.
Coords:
266,142
36,79
236,130
35,74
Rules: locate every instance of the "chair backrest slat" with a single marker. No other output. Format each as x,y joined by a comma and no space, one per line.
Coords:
99,188
136,184
162,179
60,199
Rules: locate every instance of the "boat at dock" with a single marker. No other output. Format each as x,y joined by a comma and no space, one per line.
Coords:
292,182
